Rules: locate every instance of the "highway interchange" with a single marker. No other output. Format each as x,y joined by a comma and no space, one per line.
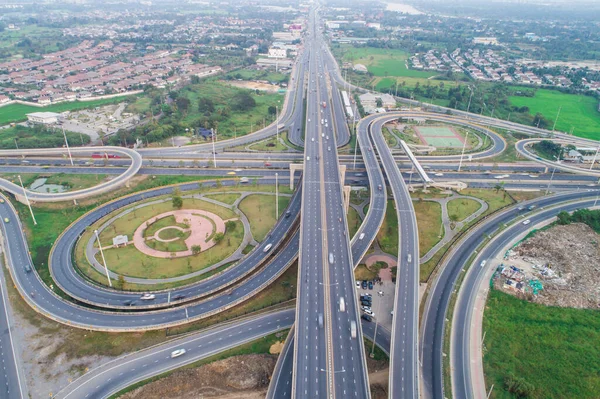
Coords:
323,358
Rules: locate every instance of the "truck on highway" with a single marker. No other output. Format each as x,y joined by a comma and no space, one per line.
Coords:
342,304
352,328
244,180
331,258
324,104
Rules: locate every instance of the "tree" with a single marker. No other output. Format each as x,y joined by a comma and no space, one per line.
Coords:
242,101
378,102
177,202
183,104
230,225
196,249
120,282
272,110
218,237
206,105
564,218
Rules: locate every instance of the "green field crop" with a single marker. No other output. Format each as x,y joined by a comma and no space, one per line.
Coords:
577,112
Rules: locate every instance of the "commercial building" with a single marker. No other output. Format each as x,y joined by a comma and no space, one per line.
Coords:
44,118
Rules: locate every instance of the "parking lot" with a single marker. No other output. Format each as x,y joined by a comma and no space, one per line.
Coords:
382,296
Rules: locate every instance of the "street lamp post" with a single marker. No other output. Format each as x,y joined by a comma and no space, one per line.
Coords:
462,154
27,200
67,144
214,134
103,258
277,122
594,160
550,182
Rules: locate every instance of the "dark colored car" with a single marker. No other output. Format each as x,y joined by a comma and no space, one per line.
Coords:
128,302
178,297
370,285
366,317
366,303
364,285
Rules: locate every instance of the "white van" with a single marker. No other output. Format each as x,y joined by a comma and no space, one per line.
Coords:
342,304
361,236
267,248
331,258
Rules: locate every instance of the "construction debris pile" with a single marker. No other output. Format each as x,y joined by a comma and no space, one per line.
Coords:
558,267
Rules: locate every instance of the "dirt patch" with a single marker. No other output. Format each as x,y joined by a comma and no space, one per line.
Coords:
276,348
253,85
244,376
566,260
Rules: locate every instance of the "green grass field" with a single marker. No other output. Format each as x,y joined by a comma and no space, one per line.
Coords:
461,208
382,62
555,350
260,211
576,111
429,220
388,233
17,112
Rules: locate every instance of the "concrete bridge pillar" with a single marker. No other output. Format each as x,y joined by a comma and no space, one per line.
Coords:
342,173
293,168
347,190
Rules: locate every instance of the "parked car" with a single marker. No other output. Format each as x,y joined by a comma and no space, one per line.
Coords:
370,285
364,285
366,317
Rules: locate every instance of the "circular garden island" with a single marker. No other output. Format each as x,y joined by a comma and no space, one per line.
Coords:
161,239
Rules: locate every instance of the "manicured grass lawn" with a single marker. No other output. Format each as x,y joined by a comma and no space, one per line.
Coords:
382,62
17,112
388,233
72,182
461,208
159,224
270,144
555,350
429,220
225,198
495,200
363,273
576,110
169,234
354,221
252,74
128,261
260,211
172,246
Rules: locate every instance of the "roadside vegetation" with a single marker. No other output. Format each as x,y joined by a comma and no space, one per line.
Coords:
38,136
260,211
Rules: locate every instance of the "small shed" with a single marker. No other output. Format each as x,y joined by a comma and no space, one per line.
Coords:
120,241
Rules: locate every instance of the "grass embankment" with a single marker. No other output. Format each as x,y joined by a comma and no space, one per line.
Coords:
388,233
362,272
461,208
354,221
224,198
259,346
260,211
548,352
18,112
577,111
429,221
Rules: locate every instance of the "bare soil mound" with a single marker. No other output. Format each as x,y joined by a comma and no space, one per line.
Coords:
246,375
566,260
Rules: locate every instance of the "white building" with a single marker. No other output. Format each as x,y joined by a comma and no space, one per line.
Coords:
45,118
277,52
119,241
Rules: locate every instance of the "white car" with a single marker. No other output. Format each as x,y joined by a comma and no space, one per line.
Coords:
177,353
439,174
147,297
369,312
313,139
526,222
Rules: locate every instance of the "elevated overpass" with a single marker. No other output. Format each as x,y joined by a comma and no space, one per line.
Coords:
424,177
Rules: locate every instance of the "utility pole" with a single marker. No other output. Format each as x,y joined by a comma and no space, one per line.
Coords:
355,145
556,120
67,144
277,122
16,144
27,200
462,154
550,182
103,258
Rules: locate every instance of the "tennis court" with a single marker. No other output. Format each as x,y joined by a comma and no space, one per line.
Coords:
439,136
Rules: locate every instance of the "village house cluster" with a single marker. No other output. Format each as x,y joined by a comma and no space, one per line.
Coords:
87,71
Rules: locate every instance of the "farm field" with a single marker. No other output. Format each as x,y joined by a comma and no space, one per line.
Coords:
578,111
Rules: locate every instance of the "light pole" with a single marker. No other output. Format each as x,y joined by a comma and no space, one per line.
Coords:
462,154
276,196
374,335
16,144
471,96
355,146
550,182
594,160
27,200
277,122
67,144
596,200
556,119
103,259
